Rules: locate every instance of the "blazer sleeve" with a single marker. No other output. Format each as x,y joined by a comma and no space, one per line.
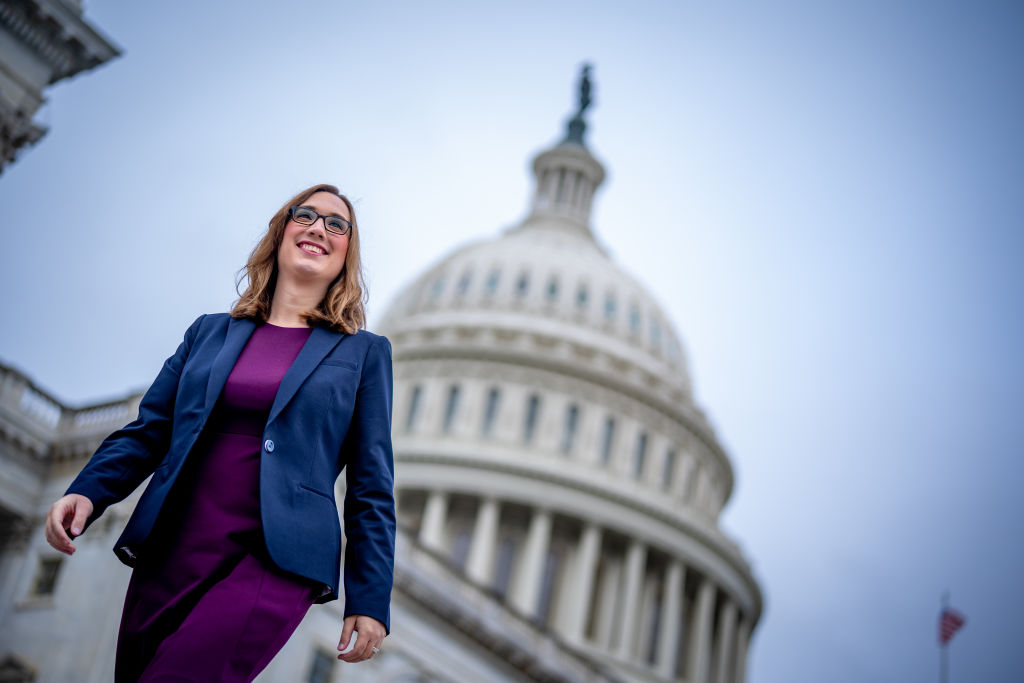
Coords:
129,455
369,498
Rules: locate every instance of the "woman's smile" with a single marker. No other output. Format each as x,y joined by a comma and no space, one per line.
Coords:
312,248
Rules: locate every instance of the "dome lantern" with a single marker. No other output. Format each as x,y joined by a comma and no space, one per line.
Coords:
567,176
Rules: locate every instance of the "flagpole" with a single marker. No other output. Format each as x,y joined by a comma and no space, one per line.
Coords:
943,647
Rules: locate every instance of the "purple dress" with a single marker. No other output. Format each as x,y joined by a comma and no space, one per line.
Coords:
205,602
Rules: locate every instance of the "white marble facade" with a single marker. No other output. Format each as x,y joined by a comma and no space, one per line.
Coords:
558,487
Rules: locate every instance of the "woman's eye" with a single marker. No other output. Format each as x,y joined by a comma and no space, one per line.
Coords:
306,216
335,224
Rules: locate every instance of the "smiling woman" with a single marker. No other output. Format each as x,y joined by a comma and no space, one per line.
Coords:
245,432
305,250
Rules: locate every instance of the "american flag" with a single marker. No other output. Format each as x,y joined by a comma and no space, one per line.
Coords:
950,621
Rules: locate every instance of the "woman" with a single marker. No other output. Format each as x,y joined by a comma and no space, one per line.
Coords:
245,431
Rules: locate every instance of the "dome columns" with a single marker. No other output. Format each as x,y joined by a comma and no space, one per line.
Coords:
434,520
578,592
670,621
567,176
484,542
700,652
526,593
607,591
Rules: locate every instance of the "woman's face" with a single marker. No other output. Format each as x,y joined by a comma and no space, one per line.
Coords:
311,253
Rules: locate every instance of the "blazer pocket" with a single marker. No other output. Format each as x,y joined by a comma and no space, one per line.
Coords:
338,363
318,492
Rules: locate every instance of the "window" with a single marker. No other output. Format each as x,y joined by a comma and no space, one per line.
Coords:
522,285
414,408
655,334
451,408
669,471
552,290
581,297
607,441
609,307
464,282
634,319
490,411
322,667
437,288
530,423
569,431
492,281
641,455
46,578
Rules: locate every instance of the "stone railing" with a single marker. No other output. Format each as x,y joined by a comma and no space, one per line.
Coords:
29,412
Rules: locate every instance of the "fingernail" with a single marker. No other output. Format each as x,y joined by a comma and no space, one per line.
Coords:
76,531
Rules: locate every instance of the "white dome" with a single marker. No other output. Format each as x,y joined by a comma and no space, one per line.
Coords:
548,444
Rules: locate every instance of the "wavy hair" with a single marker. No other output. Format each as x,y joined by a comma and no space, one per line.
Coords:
343,307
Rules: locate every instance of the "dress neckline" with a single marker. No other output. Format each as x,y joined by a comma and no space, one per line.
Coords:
282,327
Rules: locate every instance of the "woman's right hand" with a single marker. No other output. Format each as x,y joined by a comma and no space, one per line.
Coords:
68,513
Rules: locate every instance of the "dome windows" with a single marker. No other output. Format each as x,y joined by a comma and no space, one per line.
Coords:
668,470
451,408
609,307
412,413
634,319
437,289
490,412
523,284
582,297
493,279
552,291
532,415
569,430
607,440
655,335
640,455
464,282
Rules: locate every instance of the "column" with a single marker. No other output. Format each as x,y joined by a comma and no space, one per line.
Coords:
742,643
726,636
580,591
480,564
527,590
700,642
434,517
671,618
635,558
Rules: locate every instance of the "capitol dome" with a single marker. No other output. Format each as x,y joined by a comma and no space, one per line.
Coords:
549,446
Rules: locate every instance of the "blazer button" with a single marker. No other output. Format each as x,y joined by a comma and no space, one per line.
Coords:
268,445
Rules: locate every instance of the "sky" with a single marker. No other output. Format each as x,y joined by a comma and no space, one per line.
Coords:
824,197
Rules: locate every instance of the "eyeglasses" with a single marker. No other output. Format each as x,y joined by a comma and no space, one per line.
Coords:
303,215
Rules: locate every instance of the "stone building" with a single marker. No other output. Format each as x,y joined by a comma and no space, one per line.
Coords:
41,42
558,487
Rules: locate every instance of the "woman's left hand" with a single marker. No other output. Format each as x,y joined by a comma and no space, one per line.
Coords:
371,635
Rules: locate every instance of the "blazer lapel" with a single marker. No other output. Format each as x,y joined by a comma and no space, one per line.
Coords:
239,331
319,344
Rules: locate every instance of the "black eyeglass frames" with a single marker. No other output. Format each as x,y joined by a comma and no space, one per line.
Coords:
303,215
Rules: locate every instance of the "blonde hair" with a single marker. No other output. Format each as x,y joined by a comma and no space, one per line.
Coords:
343,306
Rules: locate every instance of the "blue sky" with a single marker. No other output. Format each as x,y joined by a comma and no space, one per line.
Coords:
825,198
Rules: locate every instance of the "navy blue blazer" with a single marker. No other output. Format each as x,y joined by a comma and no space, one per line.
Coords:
332,411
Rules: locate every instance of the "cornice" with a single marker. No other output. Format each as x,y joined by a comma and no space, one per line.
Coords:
57,34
